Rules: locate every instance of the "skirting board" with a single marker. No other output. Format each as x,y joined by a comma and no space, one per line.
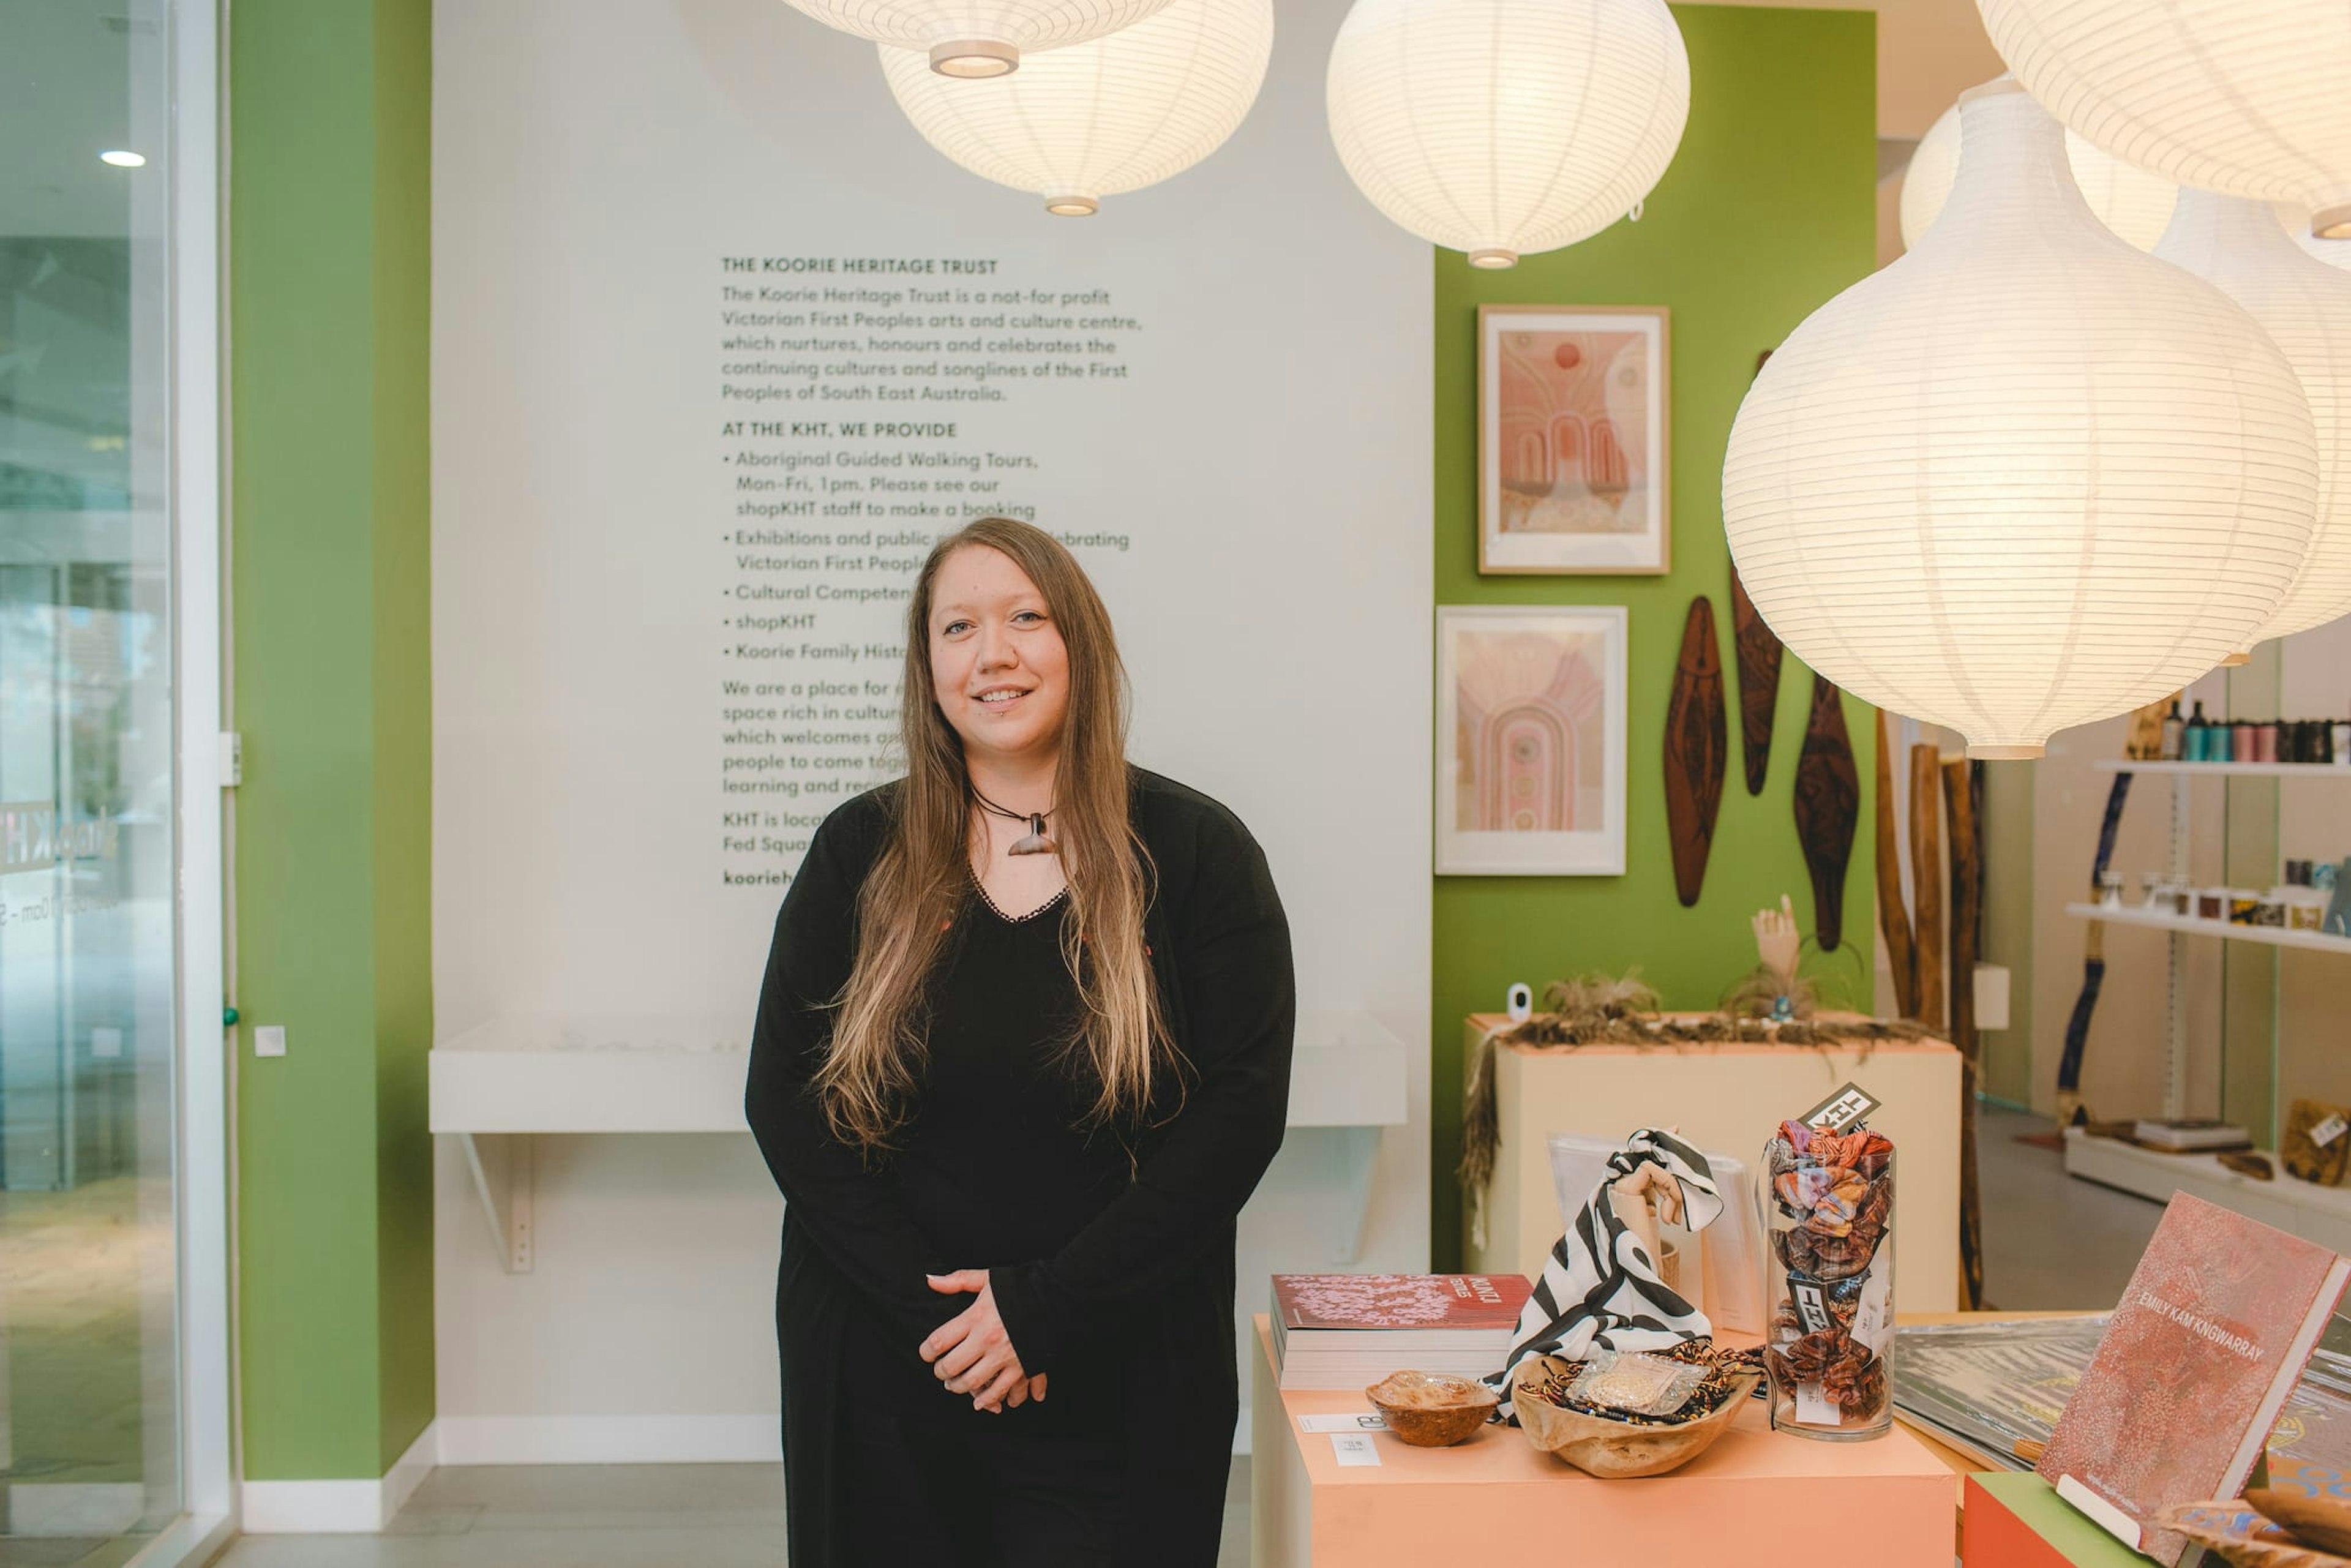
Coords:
340,1507
609,1439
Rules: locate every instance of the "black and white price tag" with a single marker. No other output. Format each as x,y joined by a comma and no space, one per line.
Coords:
1841,1110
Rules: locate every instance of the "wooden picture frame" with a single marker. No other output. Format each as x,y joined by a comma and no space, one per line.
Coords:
1574,439
1530,711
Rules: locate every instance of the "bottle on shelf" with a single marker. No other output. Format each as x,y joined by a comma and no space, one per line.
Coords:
2265,736
2340,750
2173,734
2195,738
2240,741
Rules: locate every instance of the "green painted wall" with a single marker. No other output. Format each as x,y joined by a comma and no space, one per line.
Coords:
1767,211
328,221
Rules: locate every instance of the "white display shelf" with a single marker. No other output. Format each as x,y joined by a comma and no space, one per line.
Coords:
2320,1214
2336,771
496,1086
2195,925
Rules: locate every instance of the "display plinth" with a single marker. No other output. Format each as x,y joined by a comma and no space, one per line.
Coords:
1754,1496
1727,1098
2016,1520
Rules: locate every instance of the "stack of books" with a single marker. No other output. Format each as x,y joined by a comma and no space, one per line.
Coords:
1349,1331
2191,1136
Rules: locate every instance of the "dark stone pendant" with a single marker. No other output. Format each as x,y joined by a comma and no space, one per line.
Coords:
1037,841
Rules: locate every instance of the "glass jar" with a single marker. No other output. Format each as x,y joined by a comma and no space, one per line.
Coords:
1828,1277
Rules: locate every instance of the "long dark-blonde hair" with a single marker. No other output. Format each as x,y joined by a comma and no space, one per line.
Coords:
922,880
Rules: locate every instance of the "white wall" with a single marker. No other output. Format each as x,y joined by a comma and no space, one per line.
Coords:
1269,459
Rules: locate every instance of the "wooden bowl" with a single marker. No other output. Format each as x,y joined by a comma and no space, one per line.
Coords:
1429,1411
1616,1450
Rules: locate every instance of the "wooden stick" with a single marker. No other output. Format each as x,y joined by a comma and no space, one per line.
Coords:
1892,914
1967,903
1927,882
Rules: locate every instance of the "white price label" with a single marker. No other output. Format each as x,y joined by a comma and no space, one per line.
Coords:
2329,1129
1870,1320
1351,1421
1354,1449
1814,1407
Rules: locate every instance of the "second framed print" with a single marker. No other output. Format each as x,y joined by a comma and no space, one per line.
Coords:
1529,740
1574,444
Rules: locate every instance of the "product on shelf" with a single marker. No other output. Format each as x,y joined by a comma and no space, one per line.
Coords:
2318,1146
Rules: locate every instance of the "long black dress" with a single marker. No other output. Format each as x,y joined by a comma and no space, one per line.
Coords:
1110,1252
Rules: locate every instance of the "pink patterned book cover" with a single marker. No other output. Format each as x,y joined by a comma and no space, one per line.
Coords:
1400,1301
2219,1317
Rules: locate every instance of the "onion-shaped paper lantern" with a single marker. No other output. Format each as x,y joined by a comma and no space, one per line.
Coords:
2025,477
2306,307
978,37
2128,200
1506,127
2252,97
1098,119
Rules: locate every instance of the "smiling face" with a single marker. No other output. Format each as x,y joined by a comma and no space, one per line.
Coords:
999,669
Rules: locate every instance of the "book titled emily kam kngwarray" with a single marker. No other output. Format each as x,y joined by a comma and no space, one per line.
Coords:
2218,1320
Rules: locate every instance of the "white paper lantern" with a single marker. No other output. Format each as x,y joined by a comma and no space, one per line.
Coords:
978,37
2024,476
1098,119
1506,127
2128,200
2252,97
2306,307
2333,252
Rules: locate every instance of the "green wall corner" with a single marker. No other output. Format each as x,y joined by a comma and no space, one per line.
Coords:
329,277
1769,209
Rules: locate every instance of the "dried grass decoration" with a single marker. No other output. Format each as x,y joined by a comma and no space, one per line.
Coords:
1597,1009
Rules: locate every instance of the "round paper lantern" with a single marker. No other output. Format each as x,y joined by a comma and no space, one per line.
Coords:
1506,127
2128,200
1097,119
2024,476
2252,97
978,37
2306,307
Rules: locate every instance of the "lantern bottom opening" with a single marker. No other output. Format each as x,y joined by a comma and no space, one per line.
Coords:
2332,221
1493,260
2235,660
2004,753
1073,206
975,58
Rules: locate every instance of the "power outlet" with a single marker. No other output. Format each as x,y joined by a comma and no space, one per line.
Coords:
269,1039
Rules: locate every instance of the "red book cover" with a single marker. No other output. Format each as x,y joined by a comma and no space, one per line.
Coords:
2219,1318
1400,1301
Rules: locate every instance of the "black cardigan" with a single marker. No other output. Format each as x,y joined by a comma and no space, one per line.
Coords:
1221,954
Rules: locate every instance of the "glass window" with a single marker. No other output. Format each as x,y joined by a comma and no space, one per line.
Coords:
89,1462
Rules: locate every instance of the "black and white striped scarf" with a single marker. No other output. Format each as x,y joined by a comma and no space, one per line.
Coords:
1600,1286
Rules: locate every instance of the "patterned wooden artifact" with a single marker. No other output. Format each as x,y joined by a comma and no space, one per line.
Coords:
1698,748
1759,681
1828,806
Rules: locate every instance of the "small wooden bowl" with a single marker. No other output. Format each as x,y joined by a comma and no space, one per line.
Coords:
1429,1411
1616,1450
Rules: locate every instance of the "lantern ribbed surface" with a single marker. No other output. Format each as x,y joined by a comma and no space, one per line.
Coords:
1503,128
2128,200
1024,24
1098,119
2025,477
2306,307
2252,97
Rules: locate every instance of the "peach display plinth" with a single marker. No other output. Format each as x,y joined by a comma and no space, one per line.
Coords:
1755,1495
1729,1099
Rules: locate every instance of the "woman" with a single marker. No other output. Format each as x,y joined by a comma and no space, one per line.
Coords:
1022,1053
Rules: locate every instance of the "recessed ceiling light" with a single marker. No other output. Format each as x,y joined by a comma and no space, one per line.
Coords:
122,159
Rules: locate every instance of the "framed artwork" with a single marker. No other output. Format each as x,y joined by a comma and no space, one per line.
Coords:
1531,740
1573,439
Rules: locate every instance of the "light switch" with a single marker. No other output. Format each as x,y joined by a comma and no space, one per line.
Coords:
269,1039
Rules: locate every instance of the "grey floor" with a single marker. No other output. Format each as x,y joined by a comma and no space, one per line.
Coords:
2049,1242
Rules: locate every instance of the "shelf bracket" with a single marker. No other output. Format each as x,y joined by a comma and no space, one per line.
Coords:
1356,1156
503,1182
